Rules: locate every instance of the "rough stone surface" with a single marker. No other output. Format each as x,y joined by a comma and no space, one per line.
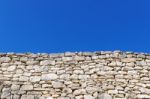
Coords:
104,96
75,75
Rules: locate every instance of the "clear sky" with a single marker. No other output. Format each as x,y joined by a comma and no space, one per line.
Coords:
74,25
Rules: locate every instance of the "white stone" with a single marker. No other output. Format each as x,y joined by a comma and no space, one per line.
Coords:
11,68
67,58
47,62
57,85
23,78
104,96
15,87
143,96
27,97
49,98
35,78
26,87
88,97
49,76
5,59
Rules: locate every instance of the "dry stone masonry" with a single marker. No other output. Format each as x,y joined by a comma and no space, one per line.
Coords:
78,75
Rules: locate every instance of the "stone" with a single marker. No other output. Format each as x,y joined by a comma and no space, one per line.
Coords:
84,77
35,78
19,71
91,90
49,98
104,96
143,96
5,59
78,72
47,62
63,98
11,68
57,85
15,87
113,91
26,87
67,90
23,78
79,92
79,97
16,96
50,76
67,59
27,97
88,97
128,60
6,92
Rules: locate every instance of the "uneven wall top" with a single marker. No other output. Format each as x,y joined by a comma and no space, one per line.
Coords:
78,75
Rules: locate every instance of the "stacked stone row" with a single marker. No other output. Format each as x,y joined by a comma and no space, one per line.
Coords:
75,75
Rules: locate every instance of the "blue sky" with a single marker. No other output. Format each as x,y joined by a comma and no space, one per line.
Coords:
74,25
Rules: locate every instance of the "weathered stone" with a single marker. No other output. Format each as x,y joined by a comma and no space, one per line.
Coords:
23,78
57,85
11,68
47,62
35,78
104,96
49,76
143,96
88,97
6,92
15,87
27,97
5,59
26,87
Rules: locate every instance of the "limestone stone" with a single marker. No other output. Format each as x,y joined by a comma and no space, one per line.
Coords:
6,92
143,96
79,97
79,92
23,78
15,87
128,59
47,62
16,97
50,76
5,59
63,98
104,96
57,85
88,97
35,78
11,68
67,59
27,97
26,87
48,98
67,90
75,75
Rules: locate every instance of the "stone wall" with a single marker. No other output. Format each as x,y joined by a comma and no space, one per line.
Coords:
82,75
